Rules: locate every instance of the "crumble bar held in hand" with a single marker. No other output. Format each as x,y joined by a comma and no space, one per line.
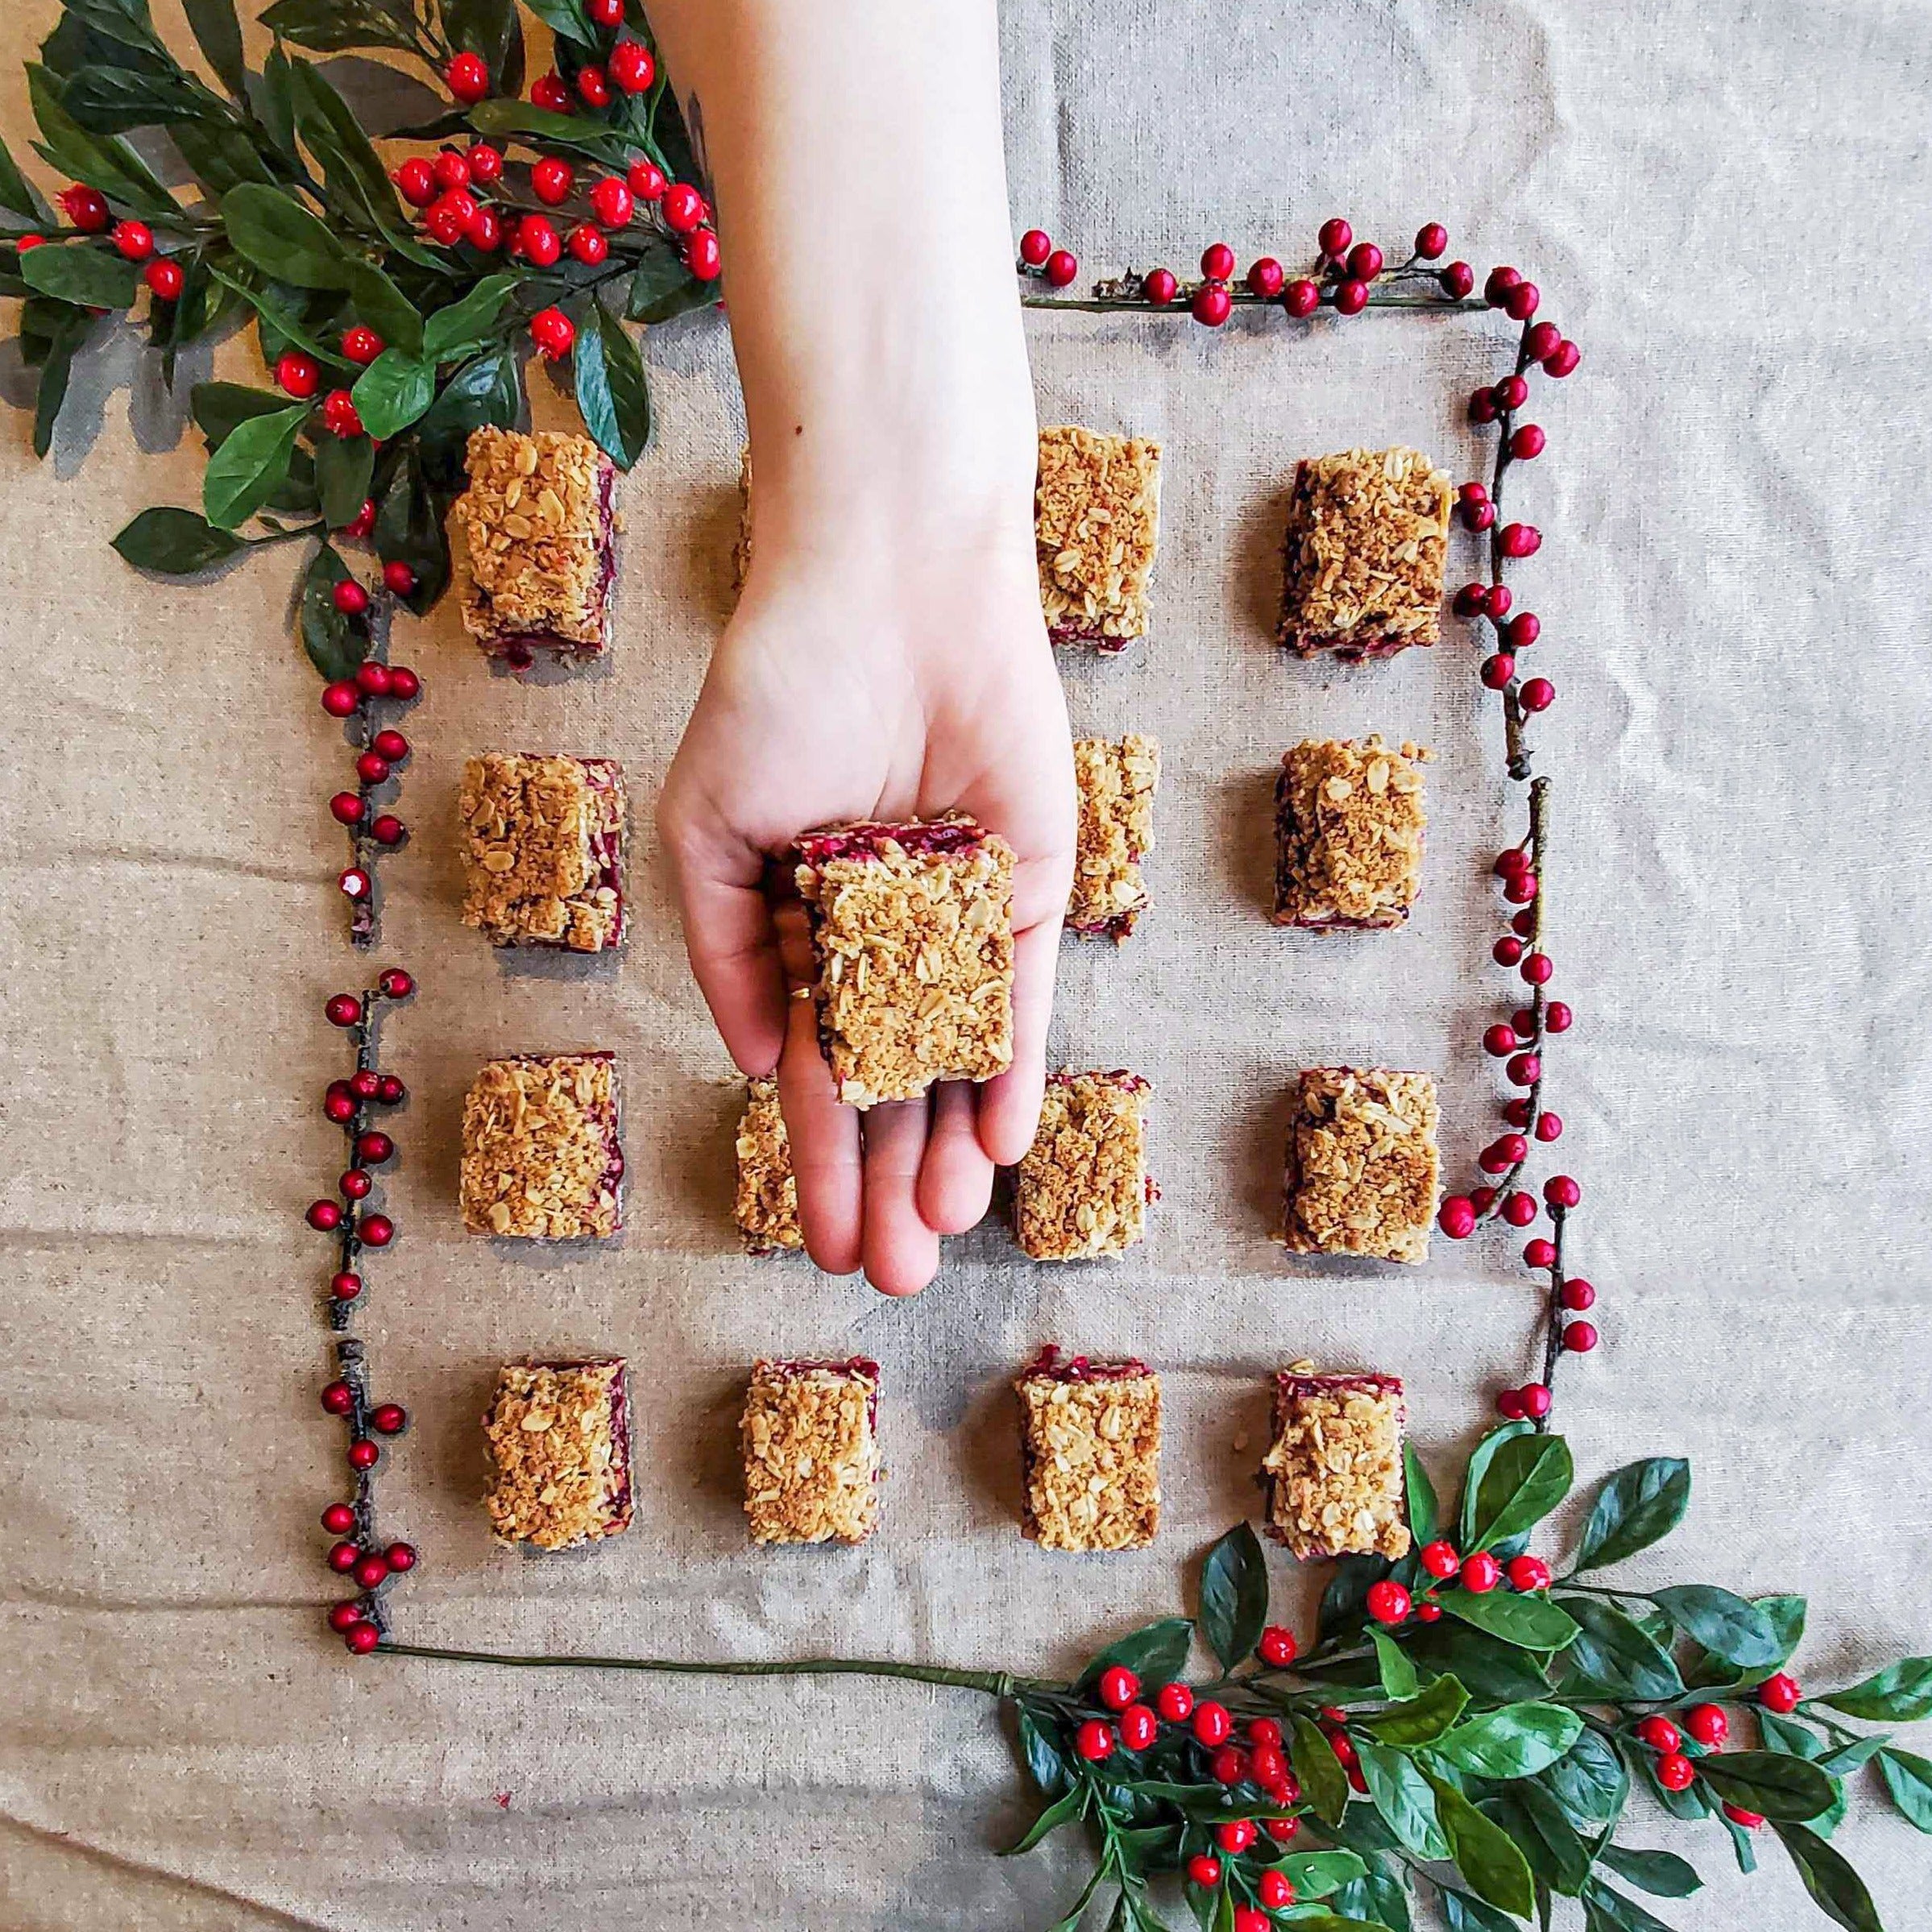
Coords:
811,1438
1090,1444
535,530
560,1440
543,850
1348,822
1333,1475
912,932
1361,1164
1095,507
1368,533
541,1156
1117,783
1082,1188
767,1207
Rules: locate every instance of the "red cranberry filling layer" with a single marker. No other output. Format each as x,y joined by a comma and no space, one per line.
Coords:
938,838
1074,630
1081,1368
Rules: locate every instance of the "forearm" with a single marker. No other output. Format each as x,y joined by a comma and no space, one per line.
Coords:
854,148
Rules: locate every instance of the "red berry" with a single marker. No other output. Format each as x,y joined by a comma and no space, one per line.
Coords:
606,13
1204,1869
1335,237
1562,361
395,984
1174,1702
1062,266
1579,1338
1675,1772
1388,1603
1235,1835
377,1231
400,1556
1519,891
399,579
388,1419
1561,1190
165,280
1660,1734
134,241
613,202
1497,598
1094,1740
1481,1573
1499,1040
1274,1890
1301,297
1265,277
350,598
341,699
552,180
1500,282
468,77
1512,392
1432,241
1537,1400
1211,304
86,208
1528,442
362,1637
1365,261
343,1557
1428,1613
1749,1820
363,1454
1217,262
387,830
553,331
1212,1724
339,1108
299,374
447,221
1520,303
1482,406
1229,1765
1707,1723
702,255
1525,923
1035,246
1505,952
1496,672
338,1399
1477,516
338,1519
416,181
340,416
346,1286
1557,1018
593,87
1281,1830
361,344
371,1571
1138,1727
1541,341
683,208
451,169
1578,1294
1526,1574
1540,1253
343,1009
1525,1070
354,1185
1249,1918
1265,1731
1523,630
537,240
1538,695
1457,280
1278,1647
374,1148
1351,298
1468,601
1520,540
1118,1687
363,521
548,92
341,1615
633,67
587,244
1779,1693
391,1091
1538,968
1456,1217
371,769
1440,1559
1509,1405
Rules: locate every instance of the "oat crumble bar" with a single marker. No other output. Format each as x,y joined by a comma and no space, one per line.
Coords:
767,1210
541,1159
1117,783
1360,1165
543,850
1333,1475
560,1442
809,1434
1090,1444
1082,1188
535,529
912,931
1367,535
1348,824
1095,510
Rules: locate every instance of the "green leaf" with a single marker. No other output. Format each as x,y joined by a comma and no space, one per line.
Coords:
1900,1694
1378,1897
219,408
251,466
1344,1602
1590,1783
1485,1854
1333,1921
1607,1910
1515,1742
566,17
387,310
335,646
1157,1653
462,327
1662,1874
1726,1625
334,27
19,195
1480,1458
1403,1800
1555,1849
91,278
1639,1505
1908,1781
1612,1652
1768,1782
1324,1782
1786,1735
506,120
351,169
1063,1811
101,162
1531,1622
1421,1720
662,288
343,467
112,100
56,367
1045,1764
1488,1668
1399,1677
411,528
1462,1913
217,33
220,157
1319,1874
125,21
1424,1512
1525,1479
1234,1574
1835,1888
175,543
488,390
393,392
283,240
493,29
274,101
616,402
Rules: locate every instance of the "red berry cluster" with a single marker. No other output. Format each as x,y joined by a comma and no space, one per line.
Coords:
134,241
1391,1603
1705,1728
382,747
348,1103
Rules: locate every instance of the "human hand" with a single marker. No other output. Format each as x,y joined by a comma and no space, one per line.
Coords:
835,695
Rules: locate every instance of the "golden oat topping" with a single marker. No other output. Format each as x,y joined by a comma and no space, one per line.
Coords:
1334,1472
811,1452
767,1210
1081,1189
1117,783
531,529
1362,1167
542,843
1368,533
559,1439
539,1152
1092,1449
1095,511
1348,817
912,929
